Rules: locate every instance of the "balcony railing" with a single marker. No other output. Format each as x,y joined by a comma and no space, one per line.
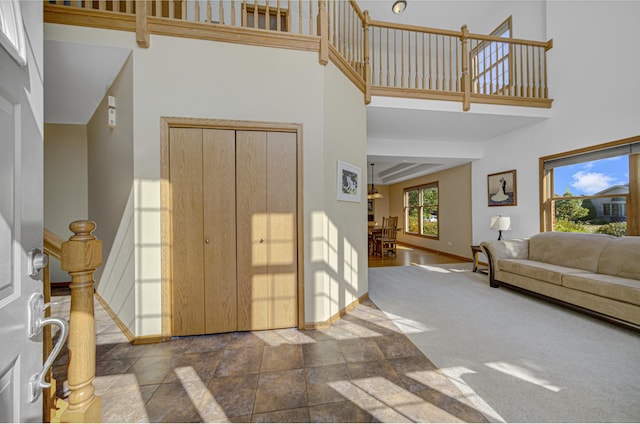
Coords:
380,58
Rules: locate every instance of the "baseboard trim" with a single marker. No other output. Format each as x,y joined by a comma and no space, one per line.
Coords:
462,258
125,330
142,340
326,324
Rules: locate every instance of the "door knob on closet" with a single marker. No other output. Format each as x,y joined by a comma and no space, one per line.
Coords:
261,240
206,241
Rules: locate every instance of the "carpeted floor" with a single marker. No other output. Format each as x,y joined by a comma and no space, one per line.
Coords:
519,358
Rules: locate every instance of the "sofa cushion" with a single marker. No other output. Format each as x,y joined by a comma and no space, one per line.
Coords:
537,270
621,258
617,288
573,250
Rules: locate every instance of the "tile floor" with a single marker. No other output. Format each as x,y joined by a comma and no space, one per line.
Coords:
362,369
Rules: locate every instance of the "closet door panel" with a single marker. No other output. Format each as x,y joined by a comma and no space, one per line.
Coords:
219,194
185,170
251,199
281,228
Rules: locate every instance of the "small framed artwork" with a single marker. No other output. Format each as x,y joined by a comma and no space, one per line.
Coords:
501,188
370,206
349,182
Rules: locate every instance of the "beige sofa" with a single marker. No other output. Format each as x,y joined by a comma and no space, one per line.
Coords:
594,272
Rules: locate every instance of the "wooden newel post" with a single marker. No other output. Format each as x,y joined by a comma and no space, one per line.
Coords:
323,32
81,255
466,81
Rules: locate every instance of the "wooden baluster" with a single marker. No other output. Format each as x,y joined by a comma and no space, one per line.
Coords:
172,9
289,28
416,55
395,60
233,12
401,58
344,28
310,17
255,14
529,72
278,24
300,28
388,61
209,17
221,12
409,59
424,76
81,255
502,59
116,6
244,13
539,94
430,64
102,5
450,63
437,63
522,74
267,17
196,11
183,10
380,55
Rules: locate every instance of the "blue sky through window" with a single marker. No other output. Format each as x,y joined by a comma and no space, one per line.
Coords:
591,177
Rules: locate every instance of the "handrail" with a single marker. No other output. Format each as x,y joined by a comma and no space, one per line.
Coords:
53,244
380,58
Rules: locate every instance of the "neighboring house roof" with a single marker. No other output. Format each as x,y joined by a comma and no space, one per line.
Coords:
616,189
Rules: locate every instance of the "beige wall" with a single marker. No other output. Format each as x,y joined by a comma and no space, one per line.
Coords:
110,157
454,186
65,182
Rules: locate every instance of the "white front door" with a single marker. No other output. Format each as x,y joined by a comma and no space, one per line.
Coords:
21,204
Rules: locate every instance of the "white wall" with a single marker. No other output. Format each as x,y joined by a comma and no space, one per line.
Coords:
593,78
110,158
65,183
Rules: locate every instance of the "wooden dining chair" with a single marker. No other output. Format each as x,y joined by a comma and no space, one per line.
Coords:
388,237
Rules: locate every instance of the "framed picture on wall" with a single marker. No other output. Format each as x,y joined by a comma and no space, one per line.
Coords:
501,188
349,182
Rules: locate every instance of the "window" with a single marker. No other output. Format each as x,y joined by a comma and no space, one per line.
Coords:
421,210
490,62
12,31
278,17
591,190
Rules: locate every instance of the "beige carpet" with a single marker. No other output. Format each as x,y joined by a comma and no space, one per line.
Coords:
520,359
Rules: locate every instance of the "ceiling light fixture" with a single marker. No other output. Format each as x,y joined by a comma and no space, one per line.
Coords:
373,192
399,6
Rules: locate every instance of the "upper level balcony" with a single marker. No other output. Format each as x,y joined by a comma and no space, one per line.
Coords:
381,58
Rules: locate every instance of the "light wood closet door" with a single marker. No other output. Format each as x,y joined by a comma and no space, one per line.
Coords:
188,302
267,245
251,192
219,194
281,229
202,175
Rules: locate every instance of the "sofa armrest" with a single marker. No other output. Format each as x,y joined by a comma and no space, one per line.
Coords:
503,249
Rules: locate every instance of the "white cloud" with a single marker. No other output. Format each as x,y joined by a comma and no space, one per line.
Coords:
591,182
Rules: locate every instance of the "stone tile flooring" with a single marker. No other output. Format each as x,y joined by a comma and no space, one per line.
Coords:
362,369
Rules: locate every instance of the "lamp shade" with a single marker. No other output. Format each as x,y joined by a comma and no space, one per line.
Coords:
501,223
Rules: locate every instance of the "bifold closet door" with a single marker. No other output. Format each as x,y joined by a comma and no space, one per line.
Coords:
202,177
266,212
187,216
219,194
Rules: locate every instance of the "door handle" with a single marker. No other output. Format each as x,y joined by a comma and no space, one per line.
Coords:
37,322
36,261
